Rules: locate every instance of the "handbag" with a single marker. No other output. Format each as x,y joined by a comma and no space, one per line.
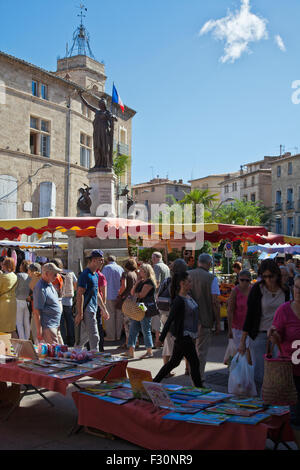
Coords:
278,384
152,309
132,310
164,297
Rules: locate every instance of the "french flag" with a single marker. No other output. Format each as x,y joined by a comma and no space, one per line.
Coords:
116,98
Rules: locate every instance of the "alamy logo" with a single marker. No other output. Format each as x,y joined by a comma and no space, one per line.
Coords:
175,222
296,354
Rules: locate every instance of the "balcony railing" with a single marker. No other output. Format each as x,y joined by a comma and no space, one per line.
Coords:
278,206
290,205
122,149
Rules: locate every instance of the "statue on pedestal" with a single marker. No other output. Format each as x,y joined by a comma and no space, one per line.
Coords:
103,135
84,202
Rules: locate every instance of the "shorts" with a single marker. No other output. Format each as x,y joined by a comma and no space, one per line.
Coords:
295,409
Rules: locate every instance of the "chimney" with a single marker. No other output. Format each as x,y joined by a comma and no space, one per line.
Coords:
241,170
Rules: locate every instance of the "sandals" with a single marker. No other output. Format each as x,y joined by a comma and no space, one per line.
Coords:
146,356
128,355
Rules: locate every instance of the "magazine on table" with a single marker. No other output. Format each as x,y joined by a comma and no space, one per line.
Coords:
136,378
158,394
230,409
255,419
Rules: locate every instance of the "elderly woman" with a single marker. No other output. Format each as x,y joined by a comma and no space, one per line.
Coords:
285,330
144,291
8,304
264,299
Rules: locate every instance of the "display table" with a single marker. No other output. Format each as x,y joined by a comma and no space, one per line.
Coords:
141,423
11,372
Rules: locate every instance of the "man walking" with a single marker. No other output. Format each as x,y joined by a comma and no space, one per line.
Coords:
47,307
162,272
205,291
113,273
88,298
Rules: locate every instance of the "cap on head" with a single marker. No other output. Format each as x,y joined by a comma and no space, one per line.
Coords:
96,254
51,268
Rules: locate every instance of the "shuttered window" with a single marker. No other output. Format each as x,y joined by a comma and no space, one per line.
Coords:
47,199
8,204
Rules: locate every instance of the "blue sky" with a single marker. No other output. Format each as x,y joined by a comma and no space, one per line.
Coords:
200,109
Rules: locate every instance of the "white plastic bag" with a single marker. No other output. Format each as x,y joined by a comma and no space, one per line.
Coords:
241,377
230,352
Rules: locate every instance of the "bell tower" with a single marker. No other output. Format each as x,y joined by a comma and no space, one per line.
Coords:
79,65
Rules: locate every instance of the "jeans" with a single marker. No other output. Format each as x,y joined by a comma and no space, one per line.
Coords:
183,347
89,331
135,327
67,326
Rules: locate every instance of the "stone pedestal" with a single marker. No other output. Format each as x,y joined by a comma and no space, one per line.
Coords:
103,184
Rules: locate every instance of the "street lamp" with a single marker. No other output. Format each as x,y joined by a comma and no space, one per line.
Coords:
28,180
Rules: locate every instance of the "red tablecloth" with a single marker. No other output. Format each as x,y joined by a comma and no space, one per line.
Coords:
12,373
141,423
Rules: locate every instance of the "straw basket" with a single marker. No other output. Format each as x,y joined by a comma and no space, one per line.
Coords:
131,309
278,385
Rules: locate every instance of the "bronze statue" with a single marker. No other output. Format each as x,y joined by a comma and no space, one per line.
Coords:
84,202
103,134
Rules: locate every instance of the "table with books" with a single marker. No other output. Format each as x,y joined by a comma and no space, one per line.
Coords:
56,374
172,417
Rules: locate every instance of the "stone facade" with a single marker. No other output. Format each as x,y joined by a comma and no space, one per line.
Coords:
157,191
286,194
211,182
42,120
252,183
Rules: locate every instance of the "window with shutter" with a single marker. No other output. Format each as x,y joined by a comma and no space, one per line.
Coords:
47,199
8,204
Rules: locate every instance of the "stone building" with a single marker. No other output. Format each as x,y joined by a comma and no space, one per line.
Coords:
43,121
158,191
251,183
211,183
286,194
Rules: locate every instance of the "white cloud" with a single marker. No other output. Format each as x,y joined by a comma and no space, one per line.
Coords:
237,29
280,43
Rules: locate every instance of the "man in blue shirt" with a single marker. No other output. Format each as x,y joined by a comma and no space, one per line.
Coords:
88,298
113,273
47,308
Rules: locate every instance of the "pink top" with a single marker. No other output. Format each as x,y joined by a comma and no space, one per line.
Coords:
288,326
240,311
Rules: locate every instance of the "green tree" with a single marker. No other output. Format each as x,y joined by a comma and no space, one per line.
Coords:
196,197
243,212
120,163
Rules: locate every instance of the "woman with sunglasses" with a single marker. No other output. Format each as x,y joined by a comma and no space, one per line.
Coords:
264,299
237,307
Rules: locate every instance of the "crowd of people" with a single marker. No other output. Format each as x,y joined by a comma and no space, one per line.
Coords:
49,304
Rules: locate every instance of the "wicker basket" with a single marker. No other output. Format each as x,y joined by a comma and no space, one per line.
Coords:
131,309
278,385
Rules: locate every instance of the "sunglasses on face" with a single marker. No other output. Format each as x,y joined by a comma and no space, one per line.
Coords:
268,276
244,280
